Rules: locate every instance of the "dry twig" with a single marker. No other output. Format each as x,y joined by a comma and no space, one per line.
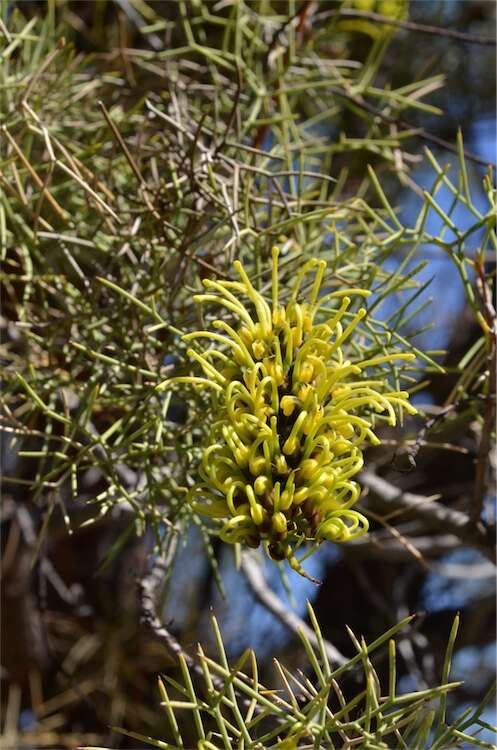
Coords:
433,513
292,621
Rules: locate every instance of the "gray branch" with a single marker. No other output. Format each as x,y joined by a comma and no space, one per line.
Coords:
150,588
383,546
258,586
435,514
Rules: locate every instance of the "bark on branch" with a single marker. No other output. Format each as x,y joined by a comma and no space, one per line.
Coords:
435,514
258,586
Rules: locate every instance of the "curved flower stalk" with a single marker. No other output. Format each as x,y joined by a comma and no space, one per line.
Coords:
291,413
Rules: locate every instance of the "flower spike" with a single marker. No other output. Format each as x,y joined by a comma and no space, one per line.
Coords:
290,413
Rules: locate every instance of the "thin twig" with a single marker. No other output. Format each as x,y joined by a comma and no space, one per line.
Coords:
412,448
258,586
380,545
139,23
150,591
36,178
129,158
438,515
233,112
298,18
488,426
402,540
422,28
417,131
150,588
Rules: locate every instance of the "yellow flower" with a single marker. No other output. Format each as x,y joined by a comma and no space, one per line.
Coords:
396,9
290,414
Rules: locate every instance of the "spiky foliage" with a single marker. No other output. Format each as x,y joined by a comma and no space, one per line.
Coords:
98,276
111,216
287,431
233,710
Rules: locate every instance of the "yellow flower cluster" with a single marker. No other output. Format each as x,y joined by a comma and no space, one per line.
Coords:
396,9
287,432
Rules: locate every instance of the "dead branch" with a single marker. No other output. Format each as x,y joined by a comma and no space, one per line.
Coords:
433,513
258,585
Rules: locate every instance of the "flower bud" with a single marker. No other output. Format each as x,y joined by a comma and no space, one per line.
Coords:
262,485
258,349
300,495
308,468
281,465
306,372
288,404
279,522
